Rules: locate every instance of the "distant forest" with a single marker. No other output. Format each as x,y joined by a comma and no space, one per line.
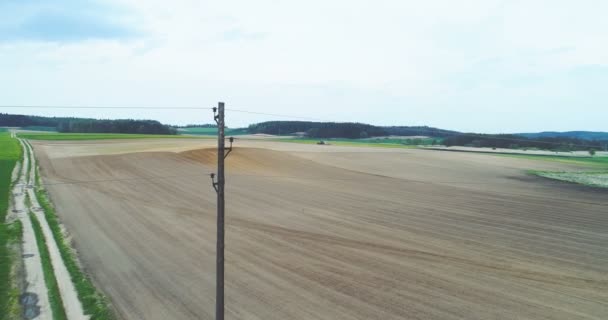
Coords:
585,135
348,130
83,125
511,141
206,125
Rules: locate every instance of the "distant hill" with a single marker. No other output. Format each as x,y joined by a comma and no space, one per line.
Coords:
583,135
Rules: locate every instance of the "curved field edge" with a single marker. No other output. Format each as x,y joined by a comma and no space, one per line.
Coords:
93,302
592,179
596,162
10,233
596,176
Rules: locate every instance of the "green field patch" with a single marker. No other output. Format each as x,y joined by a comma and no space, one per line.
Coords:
9,147
97,136
10,153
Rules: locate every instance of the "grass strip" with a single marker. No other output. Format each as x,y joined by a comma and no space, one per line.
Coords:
93,302
12,233
49,274
28,169
10,154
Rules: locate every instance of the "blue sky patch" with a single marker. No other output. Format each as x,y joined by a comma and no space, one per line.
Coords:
59,21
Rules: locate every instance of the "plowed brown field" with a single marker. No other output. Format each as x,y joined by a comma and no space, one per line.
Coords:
324,232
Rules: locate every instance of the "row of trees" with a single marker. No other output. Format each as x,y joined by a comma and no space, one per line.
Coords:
17,120
81,125
115,126
342,130
518,142
318,129
418,131
206,125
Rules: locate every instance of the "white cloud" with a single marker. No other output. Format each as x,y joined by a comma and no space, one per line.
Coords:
390,62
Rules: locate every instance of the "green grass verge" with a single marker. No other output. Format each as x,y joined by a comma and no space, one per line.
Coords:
10,153
12,233
10,149
49,274
28,169
93,302
12,307
97,136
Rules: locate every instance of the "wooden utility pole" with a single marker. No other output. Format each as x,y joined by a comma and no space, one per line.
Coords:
219,286
219,188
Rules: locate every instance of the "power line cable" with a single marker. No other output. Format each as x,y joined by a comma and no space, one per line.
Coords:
102,107
157,108
279,115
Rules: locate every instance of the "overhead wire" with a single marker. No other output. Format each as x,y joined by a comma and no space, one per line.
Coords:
278,115
100,107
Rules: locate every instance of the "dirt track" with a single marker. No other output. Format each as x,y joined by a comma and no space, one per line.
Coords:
319,232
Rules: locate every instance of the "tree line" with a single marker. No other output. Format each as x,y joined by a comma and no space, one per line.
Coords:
86,125
418,131
350,130
205,125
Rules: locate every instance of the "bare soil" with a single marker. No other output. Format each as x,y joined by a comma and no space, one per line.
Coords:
325,232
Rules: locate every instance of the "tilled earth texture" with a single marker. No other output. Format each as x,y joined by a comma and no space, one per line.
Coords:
327,232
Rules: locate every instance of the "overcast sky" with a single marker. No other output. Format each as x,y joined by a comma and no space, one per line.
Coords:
472,65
